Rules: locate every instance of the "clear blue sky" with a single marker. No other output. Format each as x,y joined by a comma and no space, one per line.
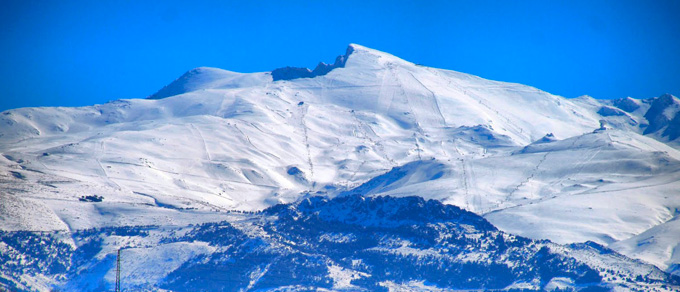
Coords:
72,53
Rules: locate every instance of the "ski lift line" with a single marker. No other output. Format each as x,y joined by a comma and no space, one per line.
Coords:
470,177
418,150
303,112
465,184
534,172
118,271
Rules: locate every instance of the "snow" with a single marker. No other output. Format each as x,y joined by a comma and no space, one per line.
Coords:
657,245
215,140
411,286
559,283
203,78
342,277
138,260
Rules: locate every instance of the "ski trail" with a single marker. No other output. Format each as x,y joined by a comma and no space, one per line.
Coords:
414,118
361,126
581,166
480,100
269,187
247,139
98,157
584,193
383,105
595,191
443,150
509,122
351,178
534,172
418,129
434,100
205,146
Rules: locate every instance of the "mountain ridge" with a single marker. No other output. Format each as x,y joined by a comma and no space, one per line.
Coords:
315,244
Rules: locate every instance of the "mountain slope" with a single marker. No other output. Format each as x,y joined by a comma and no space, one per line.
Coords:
349,243
532,163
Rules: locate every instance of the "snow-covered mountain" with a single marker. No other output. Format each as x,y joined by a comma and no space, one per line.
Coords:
656,117
532,163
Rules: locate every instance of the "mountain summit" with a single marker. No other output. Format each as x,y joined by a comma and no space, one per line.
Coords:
214,141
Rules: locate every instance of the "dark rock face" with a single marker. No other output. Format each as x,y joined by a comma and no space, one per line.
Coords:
289,73
661,119
655,115
627,104
673,129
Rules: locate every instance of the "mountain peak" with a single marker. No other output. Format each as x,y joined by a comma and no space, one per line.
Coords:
210,78
666,96
663,116
356,48
359,48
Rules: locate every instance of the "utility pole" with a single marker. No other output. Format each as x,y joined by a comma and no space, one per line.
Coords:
118,272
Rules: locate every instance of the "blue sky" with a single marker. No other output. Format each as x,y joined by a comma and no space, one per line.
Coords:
74,53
